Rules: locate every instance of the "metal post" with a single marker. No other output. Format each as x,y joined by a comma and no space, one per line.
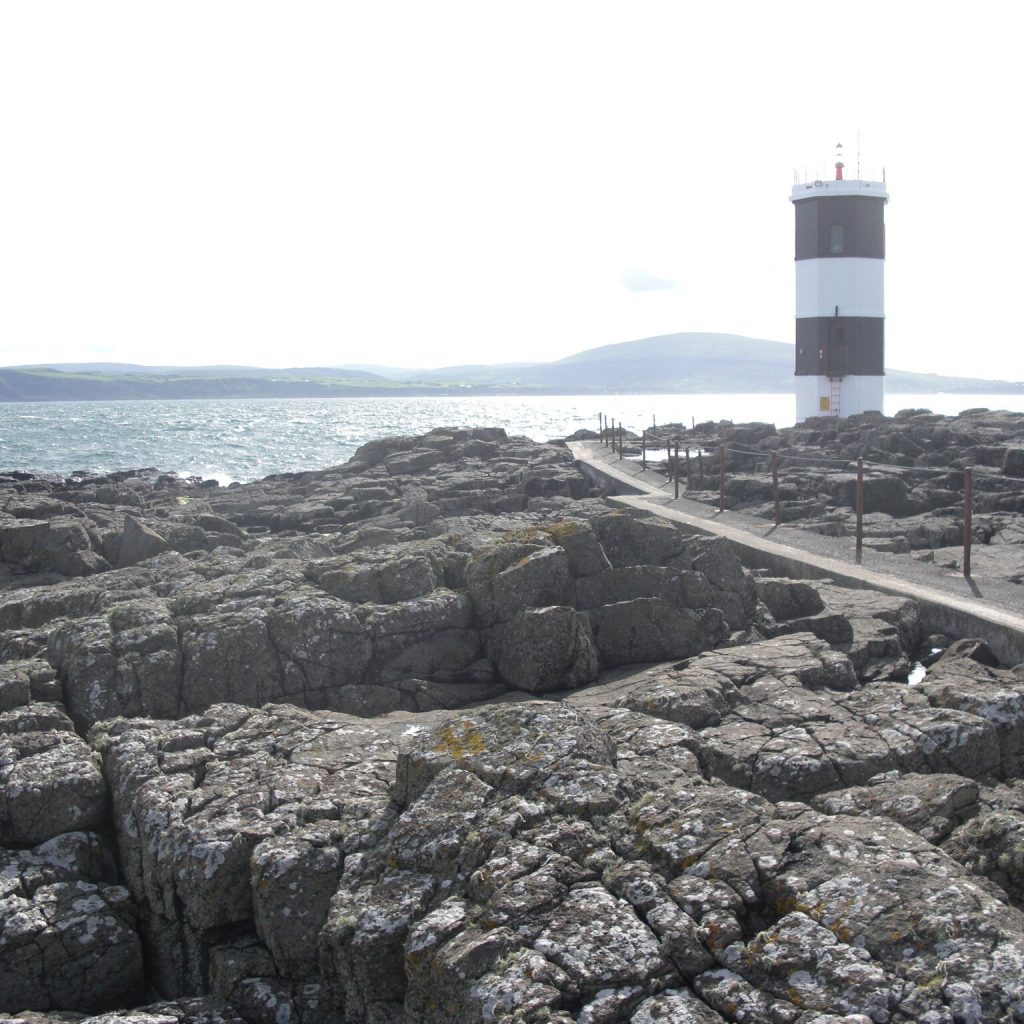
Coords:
860,508
700,466
600,426
968,525
643,449
775,486
675,463
613,433
721,478
622,437
689,472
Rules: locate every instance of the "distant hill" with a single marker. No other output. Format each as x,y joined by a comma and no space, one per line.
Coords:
699,363
49,384
670,363
684,363
137,370
479,372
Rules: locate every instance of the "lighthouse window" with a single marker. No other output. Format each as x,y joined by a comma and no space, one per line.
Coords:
835,239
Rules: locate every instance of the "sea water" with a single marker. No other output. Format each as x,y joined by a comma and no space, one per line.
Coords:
246,439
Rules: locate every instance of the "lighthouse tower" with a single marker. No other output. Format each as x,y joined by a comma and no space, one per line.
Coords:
840,313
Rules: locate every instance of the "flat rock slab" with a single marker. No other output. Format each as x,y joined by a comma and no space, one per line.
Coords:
786,717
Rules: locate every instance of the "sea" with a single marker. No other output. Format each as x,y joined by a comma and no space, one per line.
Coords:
247,439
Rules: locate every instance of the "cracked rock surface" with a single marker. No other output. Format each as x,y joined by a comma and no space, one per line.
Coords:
439,737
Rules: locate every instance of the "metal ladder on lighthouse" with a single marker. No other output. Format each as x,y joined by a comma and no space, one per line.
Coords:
835,385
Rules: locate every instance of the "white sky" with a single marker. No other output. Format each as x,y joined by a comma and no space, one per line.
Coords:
429,183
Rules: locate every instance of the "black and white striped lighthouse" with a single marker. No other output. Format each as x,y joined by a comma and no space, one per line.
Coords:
840,312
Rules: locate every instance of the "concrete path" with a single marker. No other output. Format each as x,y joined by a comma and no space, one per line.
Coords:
987,608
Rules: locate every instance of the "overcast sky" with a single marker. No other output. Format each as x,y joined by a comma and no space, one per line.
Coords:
430,183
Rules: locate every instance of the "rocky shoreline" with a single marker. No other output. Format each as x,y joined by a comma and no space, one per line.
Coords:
914,467
441,736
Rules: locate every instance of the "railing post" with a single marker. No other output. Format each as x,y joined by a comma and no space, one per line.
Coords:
775,486
613,433
860,508
600,426
700,466
675,464
622,437
968,515
643,449
721,478
689,471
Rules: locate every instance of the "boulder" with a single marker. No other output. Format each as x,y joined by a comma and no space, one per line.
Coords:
631,539
1013,461
50,782
788,599
61,544
71,946
650,629
545,649
486,563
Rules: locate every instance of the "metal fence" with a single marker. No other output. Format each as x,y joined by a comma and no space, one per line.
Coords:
693,468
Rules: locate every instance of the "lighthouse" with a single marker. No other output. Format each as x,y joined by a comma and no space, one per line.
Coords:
840,312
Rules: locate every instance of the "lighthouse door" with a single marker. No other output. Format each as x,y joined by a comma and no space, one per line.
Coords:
835,349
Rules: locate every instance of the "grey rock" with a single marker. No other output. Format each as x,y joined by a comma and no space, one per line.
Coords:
69,857
138,542
196,1010
649,629
599,942
213,812
993,845
581,545
882,493
1013,461
50,782
483,568
15,687
628,539
789,599
61,544
802,961
539,580
680,1006
543,649
930,805
679,587
716,559
72,946
281,868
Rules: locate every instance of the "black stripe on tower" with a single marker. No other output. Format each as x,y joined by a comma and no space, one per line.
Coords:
834,346
835,226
